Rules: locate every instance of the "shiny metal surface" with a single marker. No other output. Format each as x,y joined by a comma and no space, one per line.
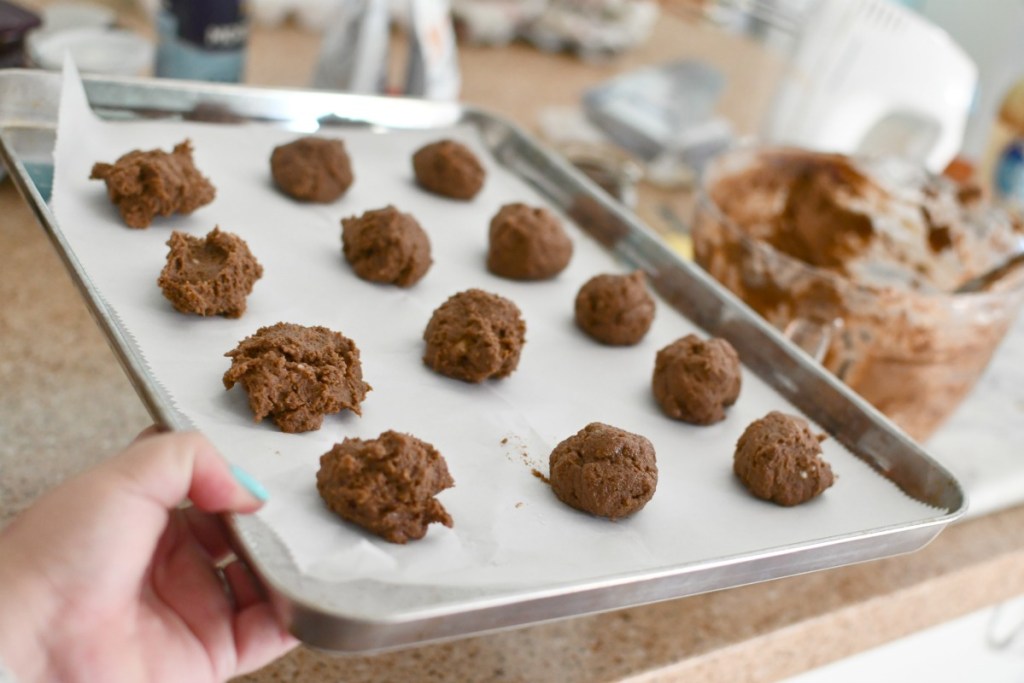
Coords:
417,614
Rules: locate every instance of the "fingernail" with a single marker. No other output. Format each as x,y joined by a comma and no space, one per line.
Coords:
250,483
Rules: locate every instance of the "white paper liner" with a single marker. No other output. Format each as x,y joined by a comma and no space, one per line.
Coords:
509,528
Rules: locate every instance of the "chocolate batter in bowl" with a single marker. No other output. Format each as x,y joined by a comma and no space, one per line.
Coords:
858,261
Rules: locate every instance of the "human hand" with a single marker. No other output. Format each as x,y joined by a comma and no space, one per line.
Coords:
104,579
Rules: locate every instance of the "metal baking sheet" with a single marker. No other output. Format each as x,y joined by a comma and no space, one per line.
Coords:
365,614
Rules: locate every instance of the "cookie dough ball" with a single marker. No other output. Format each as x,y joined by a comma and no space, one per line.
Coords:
386,246
386,485
474,336
143,185
615,309
312,169
527,243
696,380
448,168
297,374
778,459
209,275
605,471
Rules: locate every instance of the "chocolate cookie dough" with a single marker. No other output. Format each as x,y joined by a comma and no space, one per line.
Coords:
615,309
147,184
386,245
475,335
386,485
877,244
209,275
778,459
695,380
297,374
312,169
448,168
604,470
527,243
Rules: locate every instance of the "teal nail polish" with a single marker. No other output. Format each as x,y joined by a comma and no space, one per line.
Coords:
249,482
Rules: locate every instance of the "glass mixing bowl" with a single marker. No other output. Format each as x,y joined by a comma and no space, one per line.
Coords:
859,262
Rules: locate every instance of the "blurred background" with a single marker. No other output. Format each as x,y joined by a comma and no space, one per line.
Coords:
645,90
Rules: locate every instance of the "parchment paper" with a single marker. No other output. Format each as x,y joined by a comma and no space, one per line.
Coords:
509,528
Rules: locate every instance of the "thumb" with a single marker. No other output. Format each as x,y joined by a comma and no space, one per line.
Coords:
169,468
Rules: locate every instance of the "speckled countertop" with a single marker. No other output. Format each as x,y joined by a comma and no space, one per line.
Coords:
65,404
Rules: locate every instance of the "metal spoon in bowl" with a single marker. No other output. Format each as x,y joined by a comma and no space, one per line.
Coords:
984,282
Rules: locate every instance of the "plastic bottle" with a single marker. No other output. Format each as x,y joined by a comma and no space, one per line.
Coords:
202,39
